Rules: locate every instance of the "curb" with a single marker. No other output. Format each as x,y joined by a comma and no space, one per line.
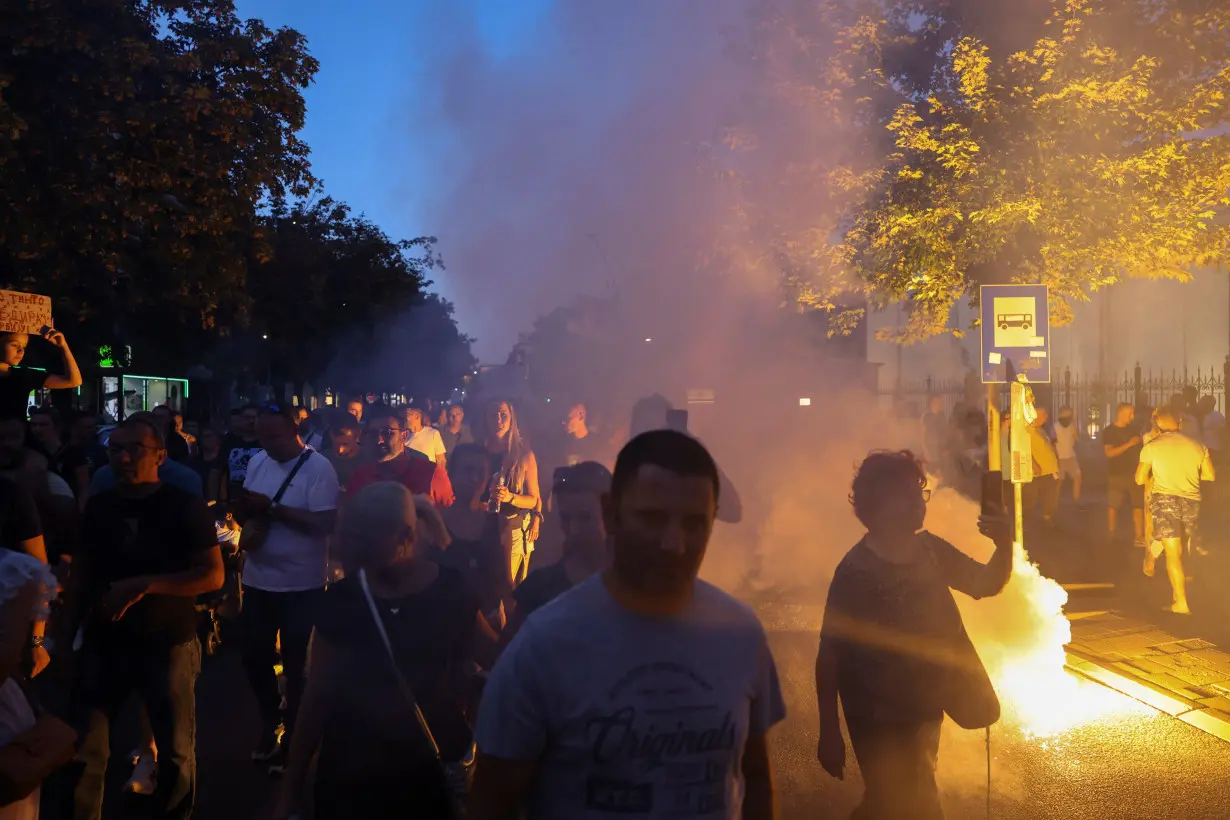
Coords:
1192,712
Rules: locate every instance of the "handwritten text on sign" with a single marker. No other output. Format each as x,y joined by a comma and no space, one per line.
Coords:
24,312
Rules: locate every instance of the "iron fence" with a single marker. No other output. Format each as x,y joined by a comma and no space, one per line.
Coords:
1092,399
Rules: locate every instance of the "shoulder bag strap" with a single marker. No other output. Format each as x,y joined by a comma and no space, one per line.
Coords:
402,683
294,471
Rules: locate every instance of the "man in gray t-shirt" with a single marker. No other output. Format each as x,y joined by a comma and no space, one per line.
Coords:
643,691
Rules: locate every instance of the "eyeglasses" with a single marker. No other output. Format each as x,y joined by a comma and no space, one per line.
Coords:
388,433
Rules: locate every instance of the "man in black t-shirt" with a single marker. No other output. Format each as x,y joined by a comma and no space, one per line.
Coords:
577,492
238,448
147,551
1122,444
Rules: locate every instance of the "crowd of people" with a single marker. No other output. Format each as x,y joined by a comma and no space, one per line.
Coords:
408,654
1158,471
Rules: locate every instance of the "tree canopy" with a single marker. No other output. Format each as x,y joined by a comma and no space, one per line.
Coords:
951,143
335,293
153,182
136,139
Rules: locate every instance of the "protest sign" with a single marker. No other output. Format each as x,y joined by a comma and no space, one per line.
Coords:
24,312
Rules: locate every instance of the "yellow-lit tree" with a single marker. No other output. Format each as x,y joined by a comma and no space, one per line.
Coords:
952,143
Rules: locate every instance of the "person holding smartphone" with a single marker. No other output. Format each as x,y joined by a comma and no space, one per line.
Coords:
287,507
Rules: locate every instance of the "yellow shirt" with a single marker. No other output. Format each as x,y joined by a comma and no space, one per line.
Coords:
1046,462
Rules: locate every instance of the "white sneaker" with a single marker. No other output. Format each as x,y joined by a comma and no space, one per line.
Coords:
144,777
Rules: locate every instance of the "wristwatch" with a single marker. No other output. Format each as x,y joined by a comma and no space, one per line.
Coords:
37,642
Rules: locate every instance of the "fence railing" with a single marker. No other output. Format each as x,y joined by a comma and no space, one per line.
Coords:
1092,399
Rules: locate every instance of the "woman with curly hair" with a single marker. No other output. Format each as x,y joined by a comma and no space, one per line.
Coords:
891,618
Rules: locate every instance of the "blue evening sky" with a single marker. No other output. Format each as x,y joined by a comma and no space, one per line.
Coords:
361,147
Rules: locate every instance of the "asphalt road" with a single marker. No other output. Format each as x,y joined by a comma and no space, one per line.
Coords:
1131,764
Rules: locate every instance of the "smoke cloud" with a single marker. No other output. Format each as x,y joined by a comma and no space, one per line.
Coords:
575,166
583,167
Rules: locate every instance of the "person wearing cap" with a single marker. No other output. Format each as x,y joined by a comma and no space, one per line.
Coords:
576,493
287,507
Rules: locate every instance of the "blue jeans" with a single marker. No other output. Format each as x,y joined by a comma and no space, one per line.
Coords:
164,678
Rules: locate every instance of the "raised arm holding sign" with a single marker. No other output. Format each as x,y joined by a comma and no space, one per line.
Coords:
23,315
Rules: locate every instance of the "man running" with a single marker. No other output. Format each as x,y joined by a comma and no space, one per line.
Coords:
1177,464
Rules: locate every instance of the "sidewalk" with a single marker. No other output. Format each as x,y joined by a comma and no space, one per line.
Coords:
1174,671
1122,638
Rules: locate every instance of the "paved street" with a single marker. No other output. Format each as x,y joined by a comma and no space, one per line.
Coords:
1105,770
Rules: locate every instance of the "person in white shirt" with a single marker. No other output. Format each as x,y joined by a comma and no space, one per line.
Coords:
287,509
1067,434
424,439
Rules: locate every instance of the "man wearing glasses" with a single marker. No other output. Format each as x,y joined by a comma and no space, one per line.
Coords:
148,549
394,462
169,472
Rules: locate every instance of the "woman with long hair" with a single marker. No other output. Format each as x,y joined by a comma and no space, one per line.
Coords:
510,496
396,639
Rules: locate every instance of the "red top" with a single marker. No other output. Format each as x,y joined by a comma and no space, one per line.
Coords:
418,475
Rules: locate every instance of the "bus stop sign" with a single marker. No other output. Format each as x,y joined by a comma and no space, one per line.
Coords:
1016,332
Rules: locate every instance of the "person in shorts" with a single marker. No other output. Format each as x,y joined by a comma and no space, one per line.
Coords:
1067,435
1177,464
1121,443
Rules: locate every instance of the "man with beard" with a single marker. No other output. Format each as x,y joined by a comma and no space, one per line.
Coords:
672,679
395,463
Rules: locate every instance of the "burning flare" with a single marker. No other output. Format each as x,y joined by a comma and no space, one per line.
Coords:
1021,634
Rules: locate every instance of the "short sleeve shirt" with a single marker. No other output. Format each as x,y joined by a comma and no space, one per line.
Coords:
629,714
156,535
1177,463
291,561
1124,464
428,442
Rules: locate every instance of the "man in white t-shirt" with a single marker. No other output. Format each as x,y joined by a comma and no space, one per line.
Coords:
287,508
424,439
1067,434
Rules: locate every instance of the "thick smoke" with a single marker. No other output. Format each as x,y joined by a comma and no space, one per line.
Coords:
582,166
576,166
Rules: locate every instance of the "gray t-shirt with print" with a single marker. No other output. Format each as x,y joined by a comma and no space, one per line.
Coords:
630,715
